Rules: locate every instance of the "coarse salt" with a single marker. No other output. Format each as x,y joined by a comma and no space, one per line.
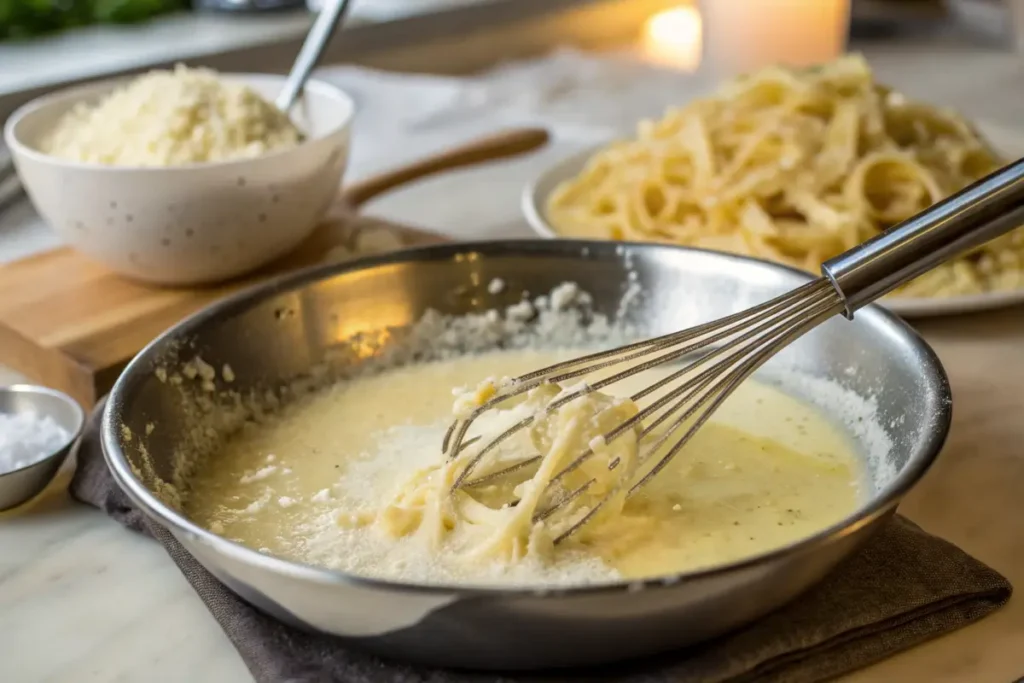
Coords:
27,438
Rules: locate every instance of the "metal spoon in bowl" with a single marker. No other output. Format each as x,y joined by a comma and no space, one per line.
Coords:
329,18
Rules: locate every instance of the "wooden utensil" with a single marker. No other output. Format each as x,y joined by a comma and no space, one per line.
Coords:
71,324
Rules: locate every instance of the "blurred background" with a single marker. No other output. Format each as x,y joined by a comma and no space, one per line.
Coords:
47,43
584,69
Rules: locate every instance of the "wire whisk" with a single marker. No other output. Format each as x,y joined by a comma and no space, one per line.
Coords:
714,358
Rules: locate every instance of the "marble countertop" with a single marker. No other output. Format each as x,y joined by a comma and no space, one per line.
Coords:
81,599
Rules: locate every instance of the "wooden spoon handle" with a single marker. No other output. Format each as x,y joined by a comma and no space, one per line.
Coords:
499,146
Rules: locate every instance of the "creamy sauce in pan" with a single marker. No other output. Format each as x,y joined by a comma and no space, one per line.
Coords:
314,484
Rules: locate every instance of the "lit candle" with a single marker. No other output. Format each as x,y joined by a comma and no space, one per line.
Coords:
745,35
672,38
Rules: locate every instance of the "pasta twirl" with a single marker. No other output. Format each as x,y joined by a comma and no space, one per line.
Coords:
794,167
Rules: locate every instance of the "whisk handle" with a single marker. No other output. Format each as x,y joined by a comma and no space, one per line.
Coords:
980,212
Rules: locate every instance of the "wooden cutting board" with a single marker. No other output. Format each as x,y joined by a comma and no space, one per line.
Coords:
71,324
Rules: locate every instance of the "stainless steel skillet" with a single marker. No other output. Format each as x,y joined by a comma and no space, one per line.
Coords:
278,331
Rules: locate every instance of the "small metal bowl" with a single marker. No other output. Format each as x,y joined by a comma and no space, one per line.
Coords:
25,483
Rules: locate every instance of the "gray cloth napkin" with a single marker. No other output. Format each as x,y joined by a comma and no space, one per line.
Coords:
903,588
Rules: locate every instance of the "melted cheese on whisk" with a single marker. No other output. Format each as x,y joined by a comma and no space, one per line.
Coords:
365,488
503,512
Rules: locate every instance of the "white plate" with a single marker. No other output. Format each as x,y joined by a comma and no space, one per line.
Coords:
1009,142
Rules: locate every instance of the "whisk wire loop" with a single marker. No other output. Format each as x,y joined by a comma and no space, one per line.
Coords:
724,353
708,334
736,368
732,380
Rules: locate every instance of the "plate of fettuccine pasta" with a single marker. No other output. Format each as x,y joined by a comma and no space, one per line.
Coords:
795,167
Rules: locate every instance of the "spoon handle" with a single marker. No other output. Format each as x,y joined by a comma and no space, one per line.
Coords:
329,18
980,212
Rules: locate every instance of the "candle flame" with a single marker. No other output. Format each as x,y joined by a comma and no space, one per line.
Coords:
673,37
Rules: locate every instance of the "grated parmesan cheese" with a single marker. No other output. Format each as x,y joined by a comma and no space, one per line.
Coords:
171,118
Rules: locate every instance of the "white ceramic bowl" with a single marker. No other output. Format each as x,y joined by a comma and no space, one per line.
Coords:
191,224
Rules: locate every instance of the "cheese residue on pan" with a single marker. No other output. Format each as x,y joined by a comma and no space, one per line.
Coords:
368,489
171,118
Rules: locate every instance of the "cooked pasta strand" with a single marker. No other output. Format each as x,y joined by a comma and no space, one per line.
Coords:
792,166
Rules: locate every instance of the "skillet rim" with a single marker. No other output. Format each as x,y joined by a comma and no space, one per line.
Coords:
921,459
